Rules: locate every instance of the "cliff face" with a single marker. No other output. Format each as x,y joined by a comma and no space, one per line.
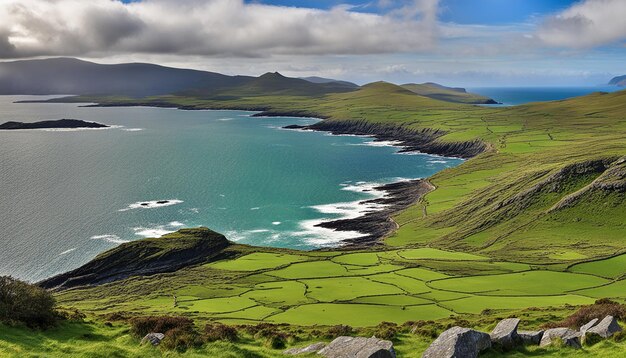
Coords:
423,140
144,257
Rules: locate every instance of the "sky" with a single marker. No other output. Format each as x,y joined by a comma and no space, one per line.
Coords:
454,42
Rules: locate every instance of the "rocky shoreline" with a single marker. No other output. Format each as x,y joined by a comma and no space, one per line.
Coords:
378,224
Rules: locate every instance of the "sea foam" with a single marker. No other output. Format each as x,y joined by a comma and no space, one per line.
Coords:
151,204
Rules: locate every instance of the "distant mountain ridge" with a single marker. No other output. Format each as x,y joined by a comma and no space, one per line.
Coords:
70,76
618,81
316,79
74,76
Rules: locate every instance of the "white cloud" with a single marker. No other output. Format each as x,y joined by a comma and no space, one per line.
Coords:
587,24
208,28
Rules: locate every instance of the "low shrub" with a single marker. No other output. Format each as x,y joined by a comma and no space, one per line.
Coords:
276,340
386,330
140,326
338,331
181,339
600,309
619,336
72,315
219,332
24,303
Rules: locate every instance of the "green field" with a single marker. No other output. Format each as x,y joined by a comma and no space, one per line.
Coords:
533,222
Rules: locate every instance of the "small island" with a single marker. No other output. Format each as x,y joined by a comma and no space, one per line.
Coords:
52,124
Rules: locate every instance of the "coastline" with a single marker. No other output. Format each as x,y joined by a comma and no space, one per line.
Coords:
374,225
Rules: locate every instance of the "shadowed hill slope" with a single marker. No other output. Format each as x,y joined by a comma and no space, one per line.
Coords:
145,257
448,94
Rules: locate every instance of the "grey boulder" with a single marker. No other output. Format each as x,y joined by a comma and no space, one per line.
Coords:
569,337
458,342
313,348
505,333
606,328
153,338
358,347
530,337
587,326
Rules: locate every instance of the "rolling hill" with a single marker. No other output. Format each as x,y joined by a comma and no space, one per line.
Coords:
448,94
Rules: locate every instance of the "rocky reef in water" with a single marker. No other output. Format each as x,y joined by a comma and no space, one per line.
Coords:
52,124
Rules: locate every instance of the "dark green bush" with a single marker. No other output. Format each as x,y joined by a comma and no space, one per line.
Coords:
219,332
181,339
338,331
23,303
140,326
386,330
276,340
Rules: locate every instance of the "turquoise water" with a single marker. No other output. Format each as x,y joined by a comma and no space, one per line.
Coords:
520,95
68,195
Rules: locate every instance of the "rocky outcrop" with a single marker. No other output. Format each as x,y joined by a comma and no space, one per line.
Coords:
358,347
154,338
567,336
505,333
458,342
606,328
530,338
145,257
584,328
53,124
378,224
612,180
413,140
313,348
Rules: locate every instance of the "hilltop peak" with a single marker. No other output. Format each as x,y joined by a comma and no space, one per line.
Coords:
272,75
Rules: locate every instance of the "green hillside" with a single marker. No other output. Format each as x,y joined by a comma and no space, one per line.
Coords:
531,227
448,94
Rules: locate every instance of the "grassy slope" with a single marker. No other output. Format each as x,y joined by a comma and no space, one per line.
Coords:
447,94
516,245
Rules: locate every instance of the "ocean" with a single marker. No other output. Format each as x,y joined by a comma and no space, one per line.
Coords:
67,195
511,96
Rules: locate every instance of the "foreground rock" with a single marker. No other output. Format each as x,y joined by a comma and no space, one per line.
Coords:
57,124
568,336
458,342
313,348
530,337
153,338
145,257
358,347
606,328
505,333
589,324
